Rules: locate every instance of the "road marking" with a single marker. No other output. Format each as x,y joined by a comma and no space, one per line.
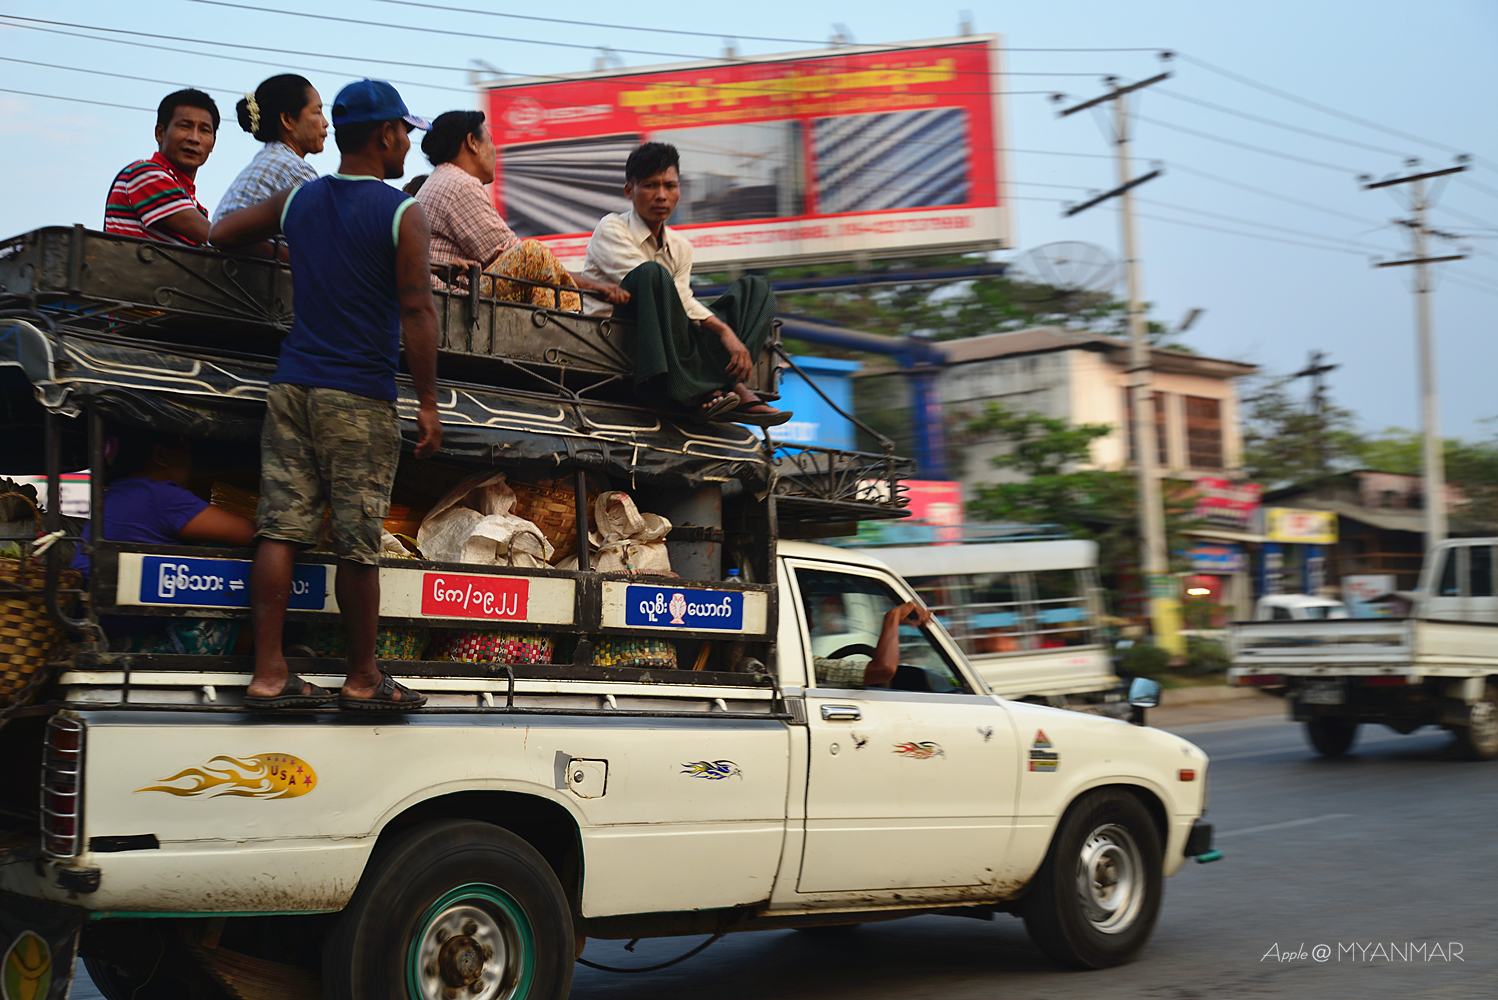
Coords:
1285,825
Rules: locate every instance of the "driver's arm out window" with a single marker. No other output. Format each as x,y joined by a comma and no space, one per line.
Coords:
844,614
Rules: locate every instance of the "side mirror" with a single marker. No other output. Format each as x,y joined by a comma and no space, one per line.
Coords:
1144,693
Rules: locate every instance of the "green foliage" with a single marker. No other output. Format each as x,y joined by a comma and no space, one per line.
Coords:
1285,443
1090,503
1146,660
1205,656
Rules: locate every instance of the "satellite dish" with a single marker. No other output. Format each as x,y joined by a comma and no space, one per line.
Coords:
1068,266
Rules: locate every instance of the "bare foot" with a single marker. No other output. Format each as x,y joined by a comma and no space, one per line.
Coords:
751,403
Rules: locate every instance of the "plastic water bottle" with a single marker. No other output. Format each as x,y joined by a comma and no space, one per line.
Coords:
733,576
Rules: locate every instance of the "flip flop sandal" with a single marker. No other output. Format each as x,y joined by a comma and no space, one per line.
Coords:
723,404
291,696
774,419
383,700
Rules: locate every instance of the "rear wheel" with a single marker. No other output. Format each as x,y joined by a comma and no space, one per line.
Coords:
453,909
1095,900
1479,737
1332,737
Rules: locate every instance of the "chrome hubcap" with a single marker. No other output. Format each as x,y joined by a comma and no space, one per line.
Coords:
468,951
1110,874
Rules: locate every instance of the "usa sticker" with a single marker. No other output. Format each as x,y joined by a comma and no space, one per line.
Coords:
701,610
1042,757
221,583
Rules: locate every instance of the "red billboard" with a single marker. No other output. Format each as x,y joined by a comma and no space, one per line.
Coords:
852,152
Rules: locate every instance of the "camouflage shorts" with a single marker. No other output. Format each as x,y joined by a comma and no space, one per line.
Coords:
327,448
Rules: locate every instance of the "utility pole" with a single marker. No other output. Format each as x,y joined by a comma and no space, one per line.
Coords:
1430,409
1314,370
1161,587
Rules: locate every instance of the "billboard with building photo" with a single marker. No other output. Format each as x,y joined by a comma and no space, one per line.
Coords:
852,152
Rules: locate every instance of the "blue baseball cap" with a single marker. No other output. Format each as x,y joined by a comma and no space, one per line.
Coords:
372,101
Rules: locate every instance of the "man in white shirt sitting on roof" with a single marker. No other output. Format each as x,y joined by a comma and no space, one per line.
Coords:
689,354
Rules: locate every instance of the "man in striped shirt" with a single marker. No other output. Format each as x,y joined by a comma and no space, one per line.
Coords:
156,199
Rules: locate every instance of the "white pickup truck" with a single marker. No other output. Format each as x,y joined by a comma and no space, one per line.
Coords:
1437,667
475,845
617,755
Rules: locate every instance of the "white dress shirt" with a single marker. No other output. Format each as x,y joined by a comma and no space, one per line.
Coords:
622,242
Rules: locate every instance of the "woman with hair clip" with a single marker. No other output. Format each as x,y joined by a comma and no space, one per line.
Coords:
467,230
285,113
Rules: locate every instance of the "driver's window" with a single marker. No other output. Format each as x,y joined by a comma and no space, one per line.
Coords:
844,615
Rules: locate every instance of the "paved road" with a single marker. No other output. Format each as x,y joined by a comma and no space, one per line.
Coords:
1393,844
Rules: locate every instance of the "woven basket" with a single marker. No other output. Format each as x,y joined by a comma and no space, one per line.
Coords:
28,635
482,646
392,642
551,506
617,651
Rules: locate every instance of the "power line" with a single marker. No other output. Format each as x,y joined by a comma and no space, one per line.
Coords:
1481,187
121,76
75,100
1261,225
1253,236
1276,124
1316,106
1252,148
1272,194
1470,218
1475,288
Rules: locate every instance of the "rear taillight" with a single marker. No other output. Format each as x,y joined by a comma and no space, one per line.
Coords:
62,788
1386,680
1260,680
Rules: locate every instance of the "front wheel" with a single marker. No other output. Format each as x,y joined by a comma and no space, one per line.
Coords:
1095,900
1479,737
1332,737
453,909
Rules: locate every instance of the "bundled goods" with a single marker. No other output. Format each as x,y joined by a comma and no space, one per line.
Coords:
28,635
398,546
617,651
475,523
627,541
480,646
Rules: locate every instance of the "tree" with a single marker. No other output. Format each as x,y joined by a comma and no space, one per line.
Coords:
1090,503
1285,444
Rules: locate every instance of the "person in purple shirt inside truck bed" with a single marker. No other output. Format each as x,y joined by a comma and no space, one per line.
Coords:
147,503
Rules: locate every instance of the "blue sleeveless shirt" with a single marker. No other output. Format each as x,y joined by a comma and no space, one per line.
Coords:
342,232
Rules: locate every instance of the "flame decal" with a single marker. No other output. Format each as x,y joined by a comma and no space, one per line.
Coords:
712,770
263,776
923,750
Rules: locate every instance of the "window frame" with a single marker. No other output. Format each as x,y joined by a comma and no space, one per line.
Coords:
935,632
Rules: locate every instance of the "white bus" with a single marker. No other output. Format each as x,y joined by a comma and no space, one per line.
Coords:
1026,609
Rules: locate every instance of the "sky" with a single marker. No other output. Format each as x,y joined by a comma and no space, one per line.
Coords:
1273,237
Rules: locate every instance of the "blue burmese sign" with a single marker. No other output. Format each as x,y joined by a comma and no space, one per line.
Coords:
815,422
664,607
221,583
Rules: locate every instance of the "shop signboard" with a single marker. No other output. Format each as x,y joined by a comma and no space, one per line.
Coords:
1222,503
1207,557
1301,527
1369,595
834,155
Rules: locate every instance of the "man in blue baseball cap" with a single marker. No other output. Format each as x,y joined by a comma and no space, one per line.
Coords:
331,436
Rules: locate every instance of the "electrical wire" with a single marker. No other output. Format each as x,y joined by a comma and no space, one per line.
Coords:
1476,288
1272,194
120,76
1481,187
75,100
1261,225
1286,95
1254,236
1248,146
1270,121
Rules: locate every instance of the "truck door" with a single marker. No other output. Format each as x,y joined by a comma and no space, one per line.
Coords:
910,787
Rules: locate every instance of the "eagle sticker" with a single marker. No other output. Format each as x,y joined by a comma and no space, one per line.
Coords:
1042,757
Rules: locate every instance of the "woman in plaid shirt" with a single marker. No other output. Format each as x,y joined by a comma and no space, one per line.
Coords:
466,228
285,113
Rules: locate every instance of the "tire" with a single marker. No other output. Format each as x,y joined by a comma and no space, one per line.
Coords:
1479,738
1332,737
1096,897
151,966
433,909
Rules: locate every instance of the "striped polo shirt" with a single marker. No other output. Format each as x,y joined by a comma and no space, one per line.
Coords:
146,192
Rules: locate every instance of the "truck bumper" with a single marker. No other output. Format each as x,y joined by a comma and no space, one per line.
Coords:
1199,843
38,947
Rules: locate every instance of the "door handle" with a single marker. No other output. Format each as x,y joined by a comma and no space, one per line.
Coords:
841,713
